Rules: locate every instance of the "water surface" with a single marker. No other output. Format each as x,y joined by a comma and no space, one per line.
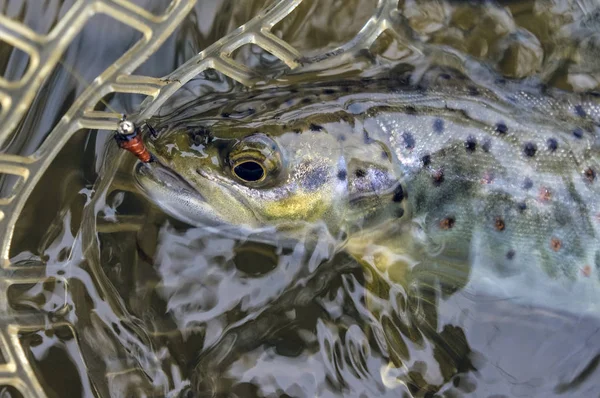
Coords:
162,308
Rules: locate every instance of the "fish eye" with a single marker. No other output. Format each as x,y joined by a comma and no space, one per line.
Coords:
255,160
249,171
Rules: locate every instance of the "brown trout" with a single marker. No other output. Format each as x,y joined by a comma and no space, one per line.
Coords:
497,181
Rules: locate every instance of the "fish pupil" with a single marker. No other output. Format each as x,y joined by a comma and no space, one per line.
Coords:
249,171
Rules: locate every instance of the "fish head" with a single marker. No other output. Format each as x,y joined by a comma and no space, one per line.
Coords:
279,176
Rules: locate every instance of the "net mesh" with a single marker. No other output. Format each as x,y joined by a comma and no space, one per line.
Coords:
44,52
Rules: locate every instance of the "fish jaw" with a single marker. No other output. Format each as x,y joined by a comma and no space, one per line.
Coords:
176,197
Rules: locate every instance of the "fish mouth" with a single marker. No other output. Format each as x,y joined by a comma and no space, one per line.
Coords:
158,173
174,195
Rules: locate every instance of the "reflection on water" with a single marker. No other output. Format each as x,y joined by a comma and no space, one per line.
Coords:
162,309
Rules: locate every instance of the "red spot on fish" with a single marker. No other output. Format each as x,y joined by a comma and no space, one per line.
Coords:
487,178
499,224
590,174
586,271
545,194
447,223
555,244
438,177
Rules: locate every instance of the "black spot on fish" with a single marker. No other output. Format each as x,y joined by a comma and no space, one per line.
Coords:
297,131
426,159
522,206
487,144
510,254
438,126
196,139
580,111
328,91
470,144
552,144
306,100
530,149
342,137
527,183
399,212
360,173
341,175
473,91
315,127
501,81
199,136
225,114
445,76
578,133
398,194
501,128
409,140
293,90
251,111
411,110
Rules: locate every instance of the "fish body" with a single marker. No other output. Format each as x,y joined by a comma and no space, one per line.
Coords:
443,172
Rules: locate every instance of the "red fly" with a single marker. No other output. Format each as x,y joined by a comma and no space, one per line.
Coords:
129,137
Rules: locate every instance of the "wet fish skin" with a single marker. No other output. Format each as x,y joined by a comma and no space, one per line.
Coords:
447,171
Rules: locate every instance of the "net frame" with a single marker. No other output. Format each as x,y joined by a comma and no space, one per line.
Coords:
45,51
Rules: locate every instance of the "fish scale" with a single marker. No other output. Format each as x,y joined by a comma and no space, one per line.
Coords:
498,179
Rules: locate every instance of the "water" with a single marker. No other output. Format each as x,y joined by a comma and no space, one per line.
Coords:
152,307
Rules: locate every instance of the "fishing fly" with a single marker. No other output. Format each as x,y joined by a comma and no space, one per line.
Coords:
129,137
